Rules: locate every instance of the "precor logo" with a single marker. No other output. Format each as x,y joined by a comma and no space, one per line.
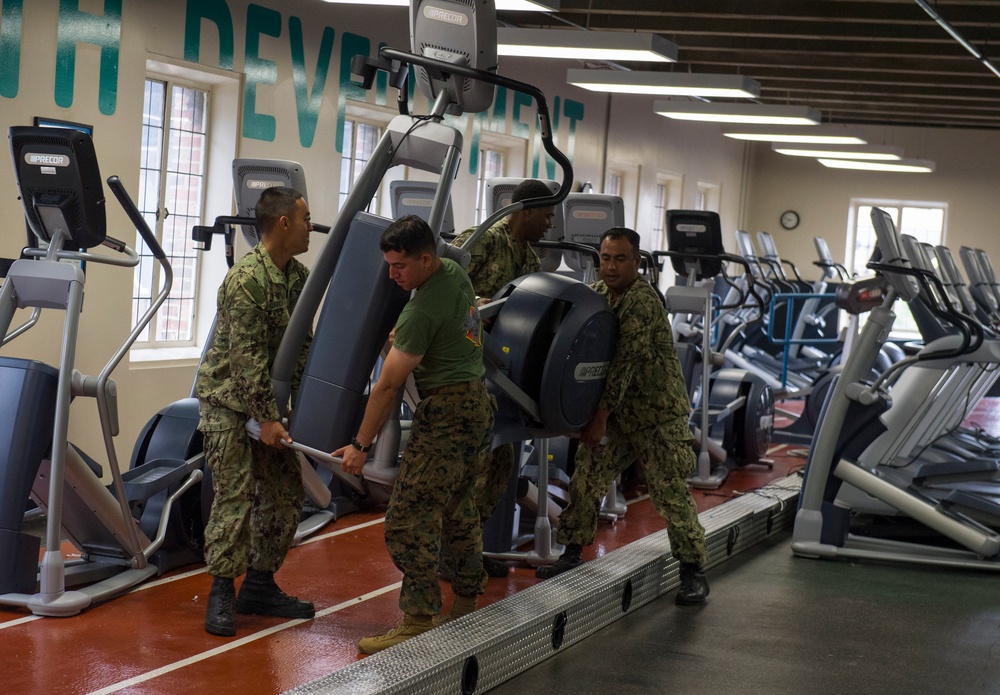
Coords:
440,15
50,160
591,371
261,184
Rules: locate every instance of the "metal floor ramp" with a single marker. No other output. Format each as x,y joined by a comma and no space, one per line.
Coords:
482,650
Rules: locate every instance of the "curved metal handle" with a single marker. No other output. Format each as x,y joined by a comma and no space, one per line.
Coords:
116,186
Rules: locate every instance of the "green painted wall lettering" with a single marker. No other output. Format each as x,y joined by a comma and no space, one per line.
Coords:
217,12
260,20
103,31
10,47
307,102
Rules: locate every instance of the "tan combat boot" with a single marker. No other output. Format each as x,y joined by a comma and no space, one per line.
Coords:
411,626
462,605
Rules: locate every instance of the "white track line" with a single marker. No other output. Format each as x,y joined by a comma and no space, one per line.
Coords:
235,644
201,570
19,621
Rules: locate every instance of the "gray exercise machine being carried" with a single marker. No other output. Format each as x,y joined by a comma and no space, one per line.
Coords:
557,324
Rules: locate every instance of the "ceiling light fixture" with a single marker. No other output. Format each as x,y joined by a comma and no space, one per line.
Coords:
737,113
665,83
914,166
868,152
585,45
816,135
501,5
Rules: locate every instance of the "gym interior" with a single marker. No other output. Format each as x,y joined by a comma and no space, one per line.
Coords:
853,547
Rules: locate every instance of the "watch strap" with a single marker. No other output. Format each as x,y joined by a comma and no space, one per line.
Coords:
357,445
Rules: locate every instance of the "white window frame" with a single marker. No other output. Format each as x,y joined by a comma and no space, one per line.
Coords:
708,196
155,206
627,189
667,196
221,148
485,173
352,165
859,224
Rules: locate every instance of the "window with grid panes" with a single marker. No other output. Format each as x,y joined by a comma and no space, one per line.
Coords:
924,221
491,166
360,139
171,199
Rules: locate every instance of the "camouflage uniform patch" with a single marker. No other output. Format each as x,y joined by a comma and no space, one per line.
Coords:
647,398
494,475
432,498
258,499
668,459
497,258
258,489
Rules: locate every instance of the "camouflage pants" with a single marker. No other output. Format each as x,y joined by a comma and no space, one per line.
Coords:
431,515
258,500
494,476
668,460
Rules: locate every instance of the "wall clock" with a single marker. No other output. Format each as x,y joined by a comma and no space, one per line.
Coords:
789,219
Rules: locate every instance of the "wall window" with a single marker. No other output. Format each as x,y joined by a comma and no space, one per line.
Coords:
491,166
614,184
657,232
360,139
667,196
171,199
622,180
923,220
707,196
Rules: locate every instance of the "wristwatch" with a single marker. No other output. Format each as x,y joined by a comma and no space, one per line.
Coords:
357,445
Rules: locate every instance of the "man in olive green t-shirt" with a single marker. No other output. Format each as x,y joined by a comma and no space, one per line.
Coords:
438,338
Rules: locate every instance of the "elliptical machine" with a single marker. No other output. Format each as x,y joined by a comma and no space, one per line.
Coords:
854,417
734,409
124,533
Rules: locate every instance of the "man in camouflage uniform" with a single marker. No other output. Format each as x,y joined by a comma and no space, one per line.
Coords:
438,338
503,253
644,413
257,484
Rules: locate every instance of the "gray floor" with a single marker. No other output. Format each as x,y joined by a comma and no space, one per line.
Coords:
777,624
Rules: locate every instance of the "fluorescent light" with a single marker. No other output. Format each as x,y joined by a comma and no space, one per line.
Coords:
737,113
916,166
665,83
868,152
528,5
393,3
501,5
585,45
816,135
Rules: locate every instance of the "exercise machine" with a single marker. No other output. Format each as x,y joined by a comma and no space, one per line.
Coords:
852,420
733,409
123,532
455,68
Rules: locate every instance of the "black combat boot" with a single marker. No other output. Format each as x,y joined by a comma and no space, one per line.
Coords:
495,568
694,586
259,595
571,557
219,618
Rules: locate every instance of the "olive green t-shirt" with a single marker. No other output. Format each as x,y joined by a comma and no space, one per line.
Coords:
441,322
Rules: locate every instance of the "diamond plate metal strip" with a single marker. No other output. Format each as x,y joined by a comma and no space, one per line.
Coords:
480,651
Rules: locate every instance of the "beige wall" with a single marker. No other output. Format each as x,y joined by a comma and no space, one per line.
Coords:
633,136
966,177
